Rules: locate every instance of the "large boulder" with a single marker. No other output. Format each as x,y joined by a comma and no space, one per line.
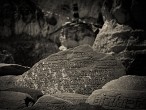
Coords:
15,100
128,82
119,99
125,43
48,102
79,70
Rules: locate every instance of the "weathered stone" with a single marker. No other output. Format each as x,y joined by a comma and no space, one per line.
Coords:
119,99
79,70
12,69
48,102
74,98
35,94
125,43
128,82
14,100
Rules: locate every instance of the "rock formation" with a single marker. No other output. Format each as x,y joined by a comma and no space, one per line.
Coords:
123,34
79,70
118,99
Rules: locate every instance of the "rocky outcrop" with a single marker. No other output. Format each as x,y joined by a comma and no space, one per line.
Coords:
125,93
79,70
123,33
127,44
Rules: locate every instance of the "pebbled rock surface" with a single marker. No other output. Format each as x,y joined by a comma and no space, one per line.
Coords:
118,99
128,82
15,100
79,70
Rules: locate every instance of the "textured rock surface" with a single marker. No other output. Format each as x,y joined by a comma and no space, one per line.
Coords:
35,94
128,82
48,102
12,69
118,100
74,98
78,70
14,100
126,44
